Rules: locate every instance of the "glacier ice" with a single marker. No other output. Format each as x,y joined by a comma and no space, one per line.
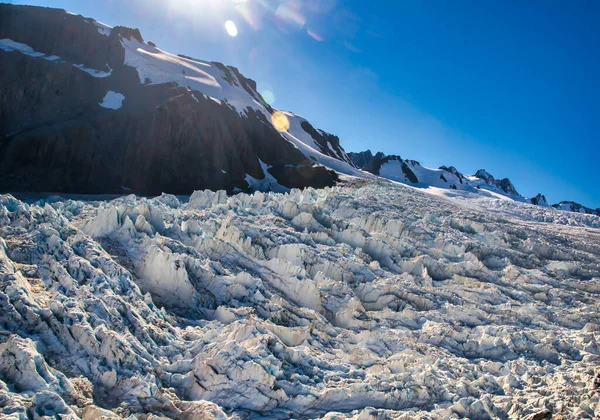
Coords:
369,300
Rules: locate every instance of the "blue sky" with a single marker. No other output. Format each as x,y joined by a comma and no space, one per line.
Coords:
509,86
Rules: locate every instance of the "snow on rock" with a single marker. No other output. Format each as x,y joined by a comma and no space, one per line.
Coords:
268,183
9,45
225,85
93,72
306,144
112,100
103,28
155,66
371,300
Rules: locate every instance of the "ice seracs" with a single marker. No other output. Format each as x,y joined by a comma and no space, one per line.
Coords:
373,299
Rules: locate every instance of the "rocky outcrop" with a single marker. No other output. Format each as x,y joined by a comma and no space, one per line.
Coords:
453,171
504,184
539,200
328,143
448,177
576,207
57,133
378,160
410,175
360,159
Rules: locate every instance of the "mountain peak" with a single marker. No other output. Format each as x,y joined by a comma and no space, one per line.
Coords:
485,175
128,33
540,200
576,207
120,114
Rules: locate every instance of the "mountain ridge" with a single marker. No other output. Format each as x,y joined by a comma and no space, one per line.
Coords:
453,179
173,123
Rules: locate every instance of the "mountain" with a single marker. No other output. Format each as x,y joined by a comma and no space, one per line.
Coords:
411,172
539,200
575,207
503,184
395,168
88,108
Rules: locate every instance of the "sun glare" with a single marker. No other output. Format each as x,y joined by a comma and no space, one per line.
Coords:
231,28
280,121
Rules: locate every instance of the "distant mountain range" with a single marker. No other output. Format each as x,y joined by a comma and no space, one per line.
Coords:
411,172
88,108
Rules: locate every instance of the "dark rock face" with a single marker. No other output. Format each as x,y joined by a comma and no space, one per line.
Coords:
507,186
504,184
360,159
374,163
409,174
487,177
328,143
378,160
454,171
539,200
55,32
55,137
319,177
576,207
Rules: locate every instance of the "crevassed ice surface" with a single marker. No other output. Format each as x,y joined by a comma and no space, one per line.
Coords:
364,301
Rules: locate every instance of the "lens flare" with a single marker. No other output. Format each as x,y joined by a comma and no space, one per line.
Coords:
314,35
231,28
268,96
280,121
290,14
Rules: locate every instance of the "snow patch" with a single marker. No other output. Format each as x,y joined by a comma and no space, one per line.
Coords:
9,45
93,72
268,183
103,28
156,66
112,100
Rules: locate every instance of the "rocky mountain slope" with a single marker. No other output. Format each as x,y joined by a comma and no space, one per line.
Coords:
576,207
369,301
411,172
93,109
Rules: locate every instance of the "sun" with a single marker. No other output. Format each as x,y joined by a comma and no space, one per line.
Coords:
231,28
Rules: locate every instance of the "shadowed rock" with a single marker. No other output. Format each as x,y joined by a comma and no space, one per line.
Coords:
54,135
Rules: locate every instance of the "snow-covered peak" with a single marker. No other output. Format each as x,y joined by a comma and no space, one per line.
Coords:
485,175
576,207
482,183
173,102
540,200
504,185
155,66
226,84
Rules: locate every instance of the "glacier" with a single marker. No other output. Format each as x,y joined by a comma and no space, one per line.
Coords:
368,300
